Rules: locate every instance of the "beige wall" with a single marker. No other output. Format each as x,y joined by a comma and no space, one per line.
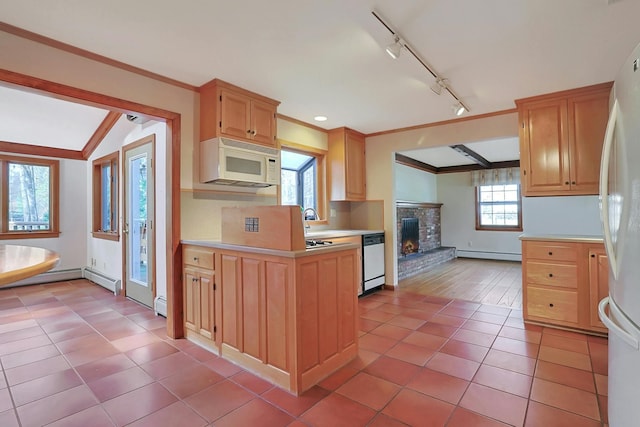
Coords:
380,157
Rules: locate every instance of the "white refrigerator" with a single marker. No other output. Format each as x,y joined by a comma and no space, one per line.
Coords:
620,213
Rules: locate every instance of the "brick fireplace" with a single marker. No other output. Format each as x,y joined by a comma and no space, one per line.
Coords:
419,238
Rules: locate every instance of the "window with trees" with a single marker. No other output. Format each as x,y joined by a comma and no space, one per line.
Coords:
498,207
30,194
105,197
301,180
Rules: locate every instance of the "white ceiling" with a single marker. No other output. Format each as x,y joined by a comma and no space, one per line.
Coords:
328,57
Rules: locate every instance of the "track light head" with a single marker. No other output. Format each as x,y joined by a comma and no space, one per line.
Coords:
458,109
394,48
438,85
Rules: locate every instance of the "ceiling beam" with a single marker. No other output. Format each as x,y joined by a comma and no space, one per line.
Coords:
408,161
37,150
101,132
467,152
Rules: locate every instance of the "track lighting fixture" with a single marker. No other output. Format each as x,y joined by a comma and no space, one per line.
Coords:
440,84
395,48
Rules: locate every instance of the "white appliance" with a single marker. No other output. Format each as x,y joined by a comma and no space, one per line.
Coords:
229,162
620,212
372,261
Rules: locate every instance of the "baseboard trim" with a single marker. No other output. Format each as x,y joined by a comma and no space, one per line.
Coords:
498,256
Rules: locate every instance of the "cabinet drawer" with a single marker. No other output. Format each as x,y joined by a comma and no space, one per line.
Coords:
552,304
552,251
198,257
550,274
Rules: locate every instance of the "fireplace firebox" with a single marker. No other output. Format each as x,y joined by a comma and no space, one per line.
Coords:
410,236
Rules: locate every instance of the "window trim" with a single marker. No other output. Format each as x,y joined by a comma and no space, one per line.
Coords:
480,227
54,198
320,156
114,160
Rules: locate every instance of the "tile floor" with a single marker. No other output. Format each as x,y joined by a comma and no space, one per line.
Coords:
72,354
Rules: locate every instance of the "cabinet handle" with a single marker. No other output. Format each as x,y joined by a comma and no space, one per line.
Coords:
249,131
593,255
253,132
195,258
550,274
566,183
550,253
551,305
573,183
193,279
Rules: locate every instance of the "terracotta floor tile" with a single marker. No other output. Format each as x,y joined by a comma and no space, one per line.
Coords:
447,320
390,331
376,343
191,380
438,385
564,397
200,354
510,361
44,386
382,420
168,365
565,343
104,367
367,325
338,378
252,382
21,334
602,384
377,315
431,342
138,403
438,329
117,384
410,353
176,414
391,369
90,354
599,357
465,350
134,341
564,333
364,358
416,313
67,334
389,308
484,327
150,352
522,348
539,415
218,400
496,404
255,413
521,334
295,405
564,357
338,411
566,375
463,418
369,390
504,380
29,356
35,370
457,311
56,406
94,416
416,409
5,400
452,365
604,408
406,322
473,337
9,419
86,340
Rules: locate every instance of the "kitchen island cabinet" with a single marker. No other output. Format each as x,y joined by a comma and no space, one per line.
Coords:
287,316
563,279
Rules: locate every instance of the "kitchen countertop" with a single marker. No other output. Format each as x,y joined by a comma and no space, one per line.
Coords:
327,234
563,238
316,250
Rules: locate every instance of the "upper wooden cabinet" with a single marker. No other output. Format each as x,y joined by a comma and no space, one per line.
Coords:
561,136
229,111
346,165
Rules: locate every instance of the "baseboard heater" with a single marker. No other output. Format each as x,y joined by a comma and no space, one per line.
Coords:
114,285
499,256
50,276
160,305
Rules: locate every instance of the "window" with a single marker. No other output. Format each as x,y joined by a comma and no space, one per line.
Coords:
105,197
30,197
498,207
301,178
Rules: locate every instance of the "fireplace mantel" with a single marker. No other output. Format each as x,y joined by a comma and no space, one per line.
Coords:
417,205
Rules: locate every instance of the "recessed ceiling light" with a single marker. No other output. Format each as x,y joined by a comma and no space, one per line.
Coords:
320,118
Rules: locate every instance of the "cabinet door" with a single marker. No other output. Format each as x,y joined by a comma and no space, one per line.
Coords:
598,283
263,123
354,167
191,292
206,305
235,115
544,147
588,115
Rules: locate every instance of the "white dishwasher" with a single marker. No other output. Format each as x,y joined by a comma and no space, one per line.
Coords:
373,260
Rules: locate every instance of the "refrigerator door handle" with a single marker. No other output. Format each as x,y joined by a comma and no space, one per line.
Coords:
604,188
612,326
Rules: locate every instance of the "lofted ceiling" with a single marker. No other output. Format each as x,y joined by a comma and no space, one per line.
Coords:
327,58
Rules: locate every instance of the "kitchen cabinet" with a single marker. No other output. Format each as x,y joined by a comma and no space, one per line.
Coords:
561,136
598,284
346,165
229,111
563,281
199,294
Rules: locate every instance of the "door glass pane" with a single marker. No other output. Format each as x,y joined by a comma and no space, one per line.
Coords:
138,221
105,196
29,201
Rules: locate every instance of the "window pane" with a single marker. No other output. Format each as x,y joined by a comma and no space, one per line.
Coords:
309,187
29,199
498,205
105,198
289,187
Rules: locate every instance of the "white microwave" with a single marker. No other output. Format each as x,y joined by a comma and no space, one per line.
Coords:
229,162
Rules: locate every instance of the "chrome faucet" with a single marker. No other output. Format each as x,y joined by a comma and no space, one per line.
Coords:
304,218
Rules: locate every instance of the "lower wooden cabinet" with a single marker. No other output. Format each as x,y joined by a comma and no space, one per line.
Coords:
563,281
199,294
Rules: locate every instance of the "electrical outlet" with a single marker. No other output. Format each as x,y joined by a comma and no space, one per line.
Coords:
470,243
332,213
